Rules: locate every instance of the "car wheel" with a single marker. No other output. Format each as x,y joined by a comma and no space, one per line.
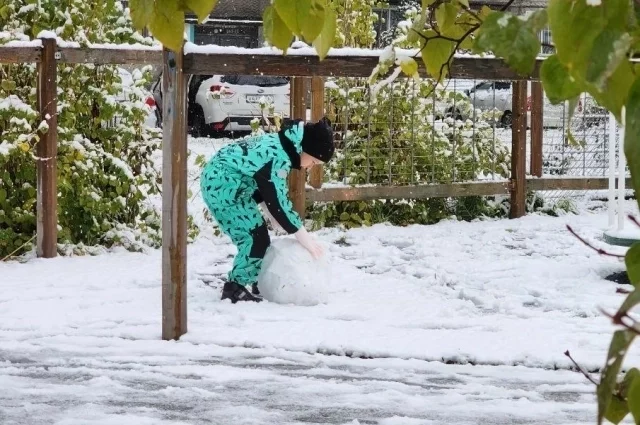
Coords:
506,120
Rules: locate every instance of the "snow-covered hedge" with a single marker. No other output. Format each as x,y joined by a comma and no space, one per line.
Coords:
105,172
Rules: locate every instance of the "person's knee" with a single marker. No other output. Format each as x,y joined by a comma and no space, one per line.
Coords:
260,241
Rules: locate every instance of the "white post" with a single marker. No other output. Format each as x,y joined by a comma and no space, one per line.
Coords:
621,179
612,169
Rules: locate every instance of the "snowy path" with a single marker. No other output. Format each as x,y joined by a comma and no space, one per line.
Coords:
80,337
240,386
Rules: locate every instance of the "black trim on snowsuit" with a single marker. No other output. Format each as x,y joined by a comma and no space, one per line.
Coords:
289,147
270,196
261,241
257,197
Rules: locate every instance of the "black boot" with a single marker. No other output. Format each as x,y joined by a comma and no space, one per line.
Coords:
254,289
236,292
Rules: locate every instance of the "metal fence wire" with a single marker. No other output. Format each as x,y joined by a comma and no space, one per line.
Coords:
411,132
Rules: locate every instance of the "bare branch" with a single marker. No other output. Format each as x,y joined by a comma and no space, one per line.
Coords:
632,218
508,5
584,372
634,326
598,250
472,13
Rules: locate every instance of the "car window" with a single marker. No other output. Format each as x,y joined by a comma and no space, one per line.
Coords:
197,80
502,85
484,86
255,80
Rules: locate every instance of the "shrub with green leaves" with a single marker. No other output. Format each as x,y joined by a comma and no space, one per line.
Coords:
105,171
395,133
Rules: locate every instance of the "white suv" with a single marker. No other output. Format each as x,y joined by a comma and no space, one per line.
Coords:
218,104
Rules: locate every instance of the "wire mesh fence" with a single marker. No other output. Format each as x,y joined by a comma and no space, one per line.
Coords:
585,153
411,132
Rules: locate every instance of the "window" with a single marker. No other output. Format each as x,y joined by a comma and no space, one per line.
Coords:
255,80
241,35
545,39
486,85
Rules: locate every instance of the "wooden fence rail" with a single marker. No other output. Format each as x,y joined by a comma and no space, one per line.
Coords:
298,63
454,190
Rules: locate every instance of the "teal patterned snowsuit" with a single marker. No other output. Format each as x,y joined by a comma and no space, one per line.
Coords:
238,178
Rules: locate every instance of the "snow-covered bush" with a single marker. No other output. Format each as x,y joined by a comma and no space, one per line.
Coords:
105,172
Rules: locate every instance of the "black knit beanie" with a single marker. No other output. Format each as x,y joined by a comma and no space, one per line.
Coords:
317,140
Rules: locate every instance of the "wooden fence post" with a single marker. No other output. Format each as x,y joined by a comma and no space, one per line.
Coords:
47,151
298,178
519,149
174,196
317,112
537,107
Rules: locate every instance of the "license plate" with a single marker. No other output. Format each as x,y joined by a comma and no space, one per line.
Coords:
255,98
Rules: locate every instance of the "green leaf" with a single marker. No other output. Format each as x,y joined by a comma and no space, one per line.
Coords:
633,393
632,261
413,35
577,29
327,36
8,85
345,216
409,66
293,13
617,410
167,24
574,26
3,195
617,350
141,12
609,50
312,25
446,15
557,84
538,20
4,12
202,8
275,31
464,3
616,90
572,140
427,3
629,378
435,55
511,38
632,144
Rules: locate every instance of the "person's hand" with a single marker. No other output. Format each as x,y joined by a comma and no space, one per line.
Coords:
315,249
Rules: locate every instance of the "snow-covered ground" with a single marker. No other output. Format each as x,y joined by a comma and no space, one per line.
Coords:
457,322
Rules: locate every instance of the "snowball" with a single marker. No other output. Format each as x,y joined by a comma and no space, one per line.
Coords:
290,275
